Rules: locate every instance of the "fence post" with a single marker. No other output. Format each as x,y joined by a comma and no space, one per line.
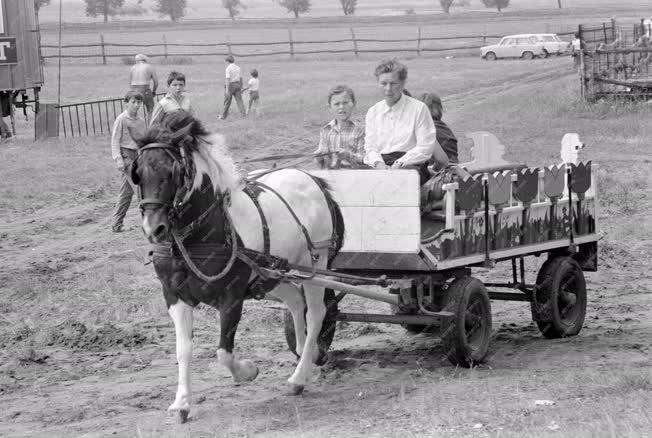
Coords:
419,41
228,45
604,31
291,41
165,47
484,37
103,51
613,28
355,42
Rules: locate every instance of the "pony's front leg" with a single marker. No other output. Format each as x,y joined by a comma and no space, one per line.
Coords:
315,313
242,370
181,314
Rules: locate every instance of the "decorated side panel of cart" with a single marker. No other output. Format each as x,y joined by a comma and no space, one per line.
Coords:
492,215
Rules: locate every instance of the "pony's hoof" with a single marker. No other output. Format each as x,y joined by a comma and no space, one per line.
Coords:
295,390
181,415
246,371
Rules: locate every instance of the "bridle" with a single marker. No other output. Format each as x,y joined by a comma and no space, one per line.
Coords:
182,177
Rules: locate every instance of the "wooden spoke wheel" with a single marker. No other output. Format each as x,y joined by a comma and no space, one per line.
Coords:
466,335
559,302
327,330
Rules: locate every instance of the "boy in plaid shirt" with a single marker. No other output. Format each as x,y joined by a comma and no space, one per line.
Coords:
342,139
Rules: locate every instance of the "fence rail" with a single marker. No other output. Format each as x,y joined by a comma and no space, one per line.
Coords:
90,118
419,43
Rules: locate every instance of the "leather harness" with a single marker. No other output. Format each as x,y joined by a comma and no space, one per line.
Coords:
261,283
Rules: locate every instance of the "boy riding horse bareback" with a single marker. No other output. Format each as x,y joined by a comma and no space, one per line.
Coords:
212,231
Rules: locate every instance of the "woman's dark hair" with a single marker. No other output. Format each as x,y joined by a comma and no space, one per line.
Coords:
254,73
392,66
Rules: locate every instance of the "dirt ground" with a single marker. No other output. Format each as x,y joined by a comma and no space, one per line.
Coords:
88,350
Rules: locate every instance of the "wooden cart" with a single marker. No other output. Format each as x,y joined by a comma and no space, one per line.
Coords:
424,262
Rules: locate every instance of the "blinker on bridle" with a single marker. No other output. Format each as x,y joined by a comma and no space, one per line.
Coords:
180,175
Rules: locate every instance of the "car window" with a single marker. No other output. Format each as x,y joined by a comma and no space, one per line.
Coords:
506,42
530,40
548,38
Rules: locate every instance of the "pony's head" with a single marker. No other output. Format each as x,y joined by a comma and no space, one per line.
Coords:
164,171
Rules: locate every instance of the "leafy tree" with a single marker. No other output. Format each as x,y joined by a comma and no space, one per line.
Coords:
38,4
296,6
234,7
446,5
498,4
348,6
103,8
175,9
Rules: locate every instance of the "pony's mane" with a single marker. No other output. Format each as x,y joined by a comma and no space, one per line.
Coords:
206,152
211,158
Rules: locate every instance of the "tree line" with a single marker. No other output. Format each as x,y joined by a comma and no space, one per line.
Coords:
176,9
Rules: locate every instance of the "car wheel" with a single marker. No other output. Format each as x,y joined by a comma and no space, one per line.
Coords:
527,55
490,56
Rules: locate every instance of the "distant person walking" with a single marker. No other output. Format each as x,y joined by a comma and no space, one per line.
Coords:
143,80
174,100
128,127
233,88
254,95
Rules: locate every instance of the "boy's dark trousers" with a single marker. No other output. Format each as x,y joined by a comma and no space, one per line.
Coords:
234,89
126,190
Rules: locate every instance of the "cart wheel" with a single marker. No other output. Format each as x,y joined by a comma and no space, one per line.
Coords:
327,329
465,335
559,302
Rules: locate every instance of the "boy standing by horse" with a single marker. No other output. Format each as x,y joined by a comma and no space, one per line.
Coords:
127,126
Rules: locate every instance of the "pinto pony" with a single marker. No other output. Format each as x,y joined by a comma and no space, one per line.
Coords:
211,230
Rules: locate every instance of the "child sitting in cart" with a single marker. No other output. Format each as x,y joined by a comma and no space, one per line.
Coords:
341,141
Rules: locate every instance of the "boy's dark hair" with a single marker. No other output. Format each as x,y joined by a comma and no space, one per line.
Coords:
254,73
433,102
391,66
133,95
230,59
176,76
340,89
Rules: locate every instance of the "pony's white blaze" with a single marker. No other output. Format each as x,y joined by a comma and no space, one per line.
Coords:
147,229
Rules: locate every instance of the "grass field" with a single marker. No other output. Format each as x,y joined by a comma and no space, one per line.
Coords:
202,9
86,346
88,350
531,17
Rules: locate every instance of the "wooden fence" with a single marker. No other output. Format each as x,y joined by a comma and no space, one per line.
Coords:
419,44
616,63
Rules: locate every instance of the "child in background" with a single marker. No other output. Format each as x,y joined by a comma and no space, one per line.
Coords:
254,96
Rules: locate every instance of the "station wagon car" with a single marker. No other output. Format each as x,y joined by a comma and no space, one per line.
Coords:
514,46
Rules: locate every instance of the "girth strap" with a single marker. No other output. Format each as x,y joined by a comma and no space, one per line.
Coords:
253,189
309,243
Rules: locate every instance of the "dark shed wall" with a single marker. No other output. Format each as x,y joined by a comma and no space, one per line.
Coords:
20,23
